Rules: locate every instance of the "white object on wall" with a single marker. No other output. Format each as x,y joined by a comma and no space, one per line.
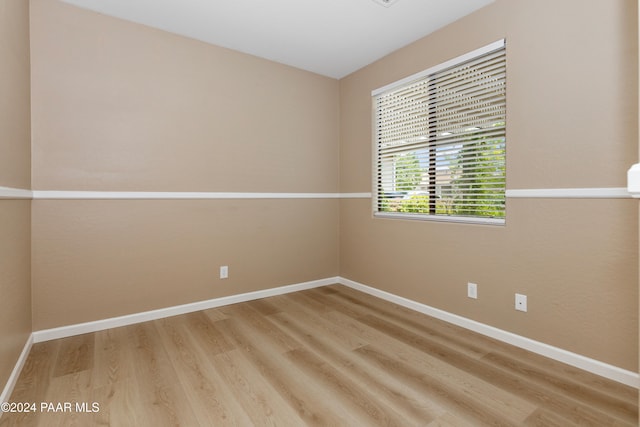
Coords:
633,180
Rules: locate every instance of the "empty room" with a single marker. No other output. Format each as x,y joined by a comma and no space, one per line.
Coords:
306,212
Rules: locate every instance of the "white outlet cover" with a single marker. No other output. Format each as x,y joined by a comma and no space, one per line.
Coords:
472,290
521,302
224,272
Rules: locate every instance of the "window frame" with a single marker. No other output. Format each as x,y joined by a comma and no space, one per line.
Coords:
475,54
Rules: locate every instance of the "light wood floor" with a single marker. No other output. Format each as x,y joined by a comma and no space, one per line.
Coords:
328,356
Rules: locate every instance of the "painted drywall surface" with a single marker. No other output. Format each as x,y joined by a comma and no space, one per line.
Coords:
122,107
572,121
99,259
15,215
15,128
15,286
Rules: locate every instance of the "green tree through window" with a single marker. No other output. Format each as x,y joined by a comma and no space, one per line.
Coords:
408,173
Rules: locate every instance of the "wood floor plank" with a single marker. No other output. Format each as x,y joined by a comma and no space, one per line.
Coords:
76,389
544,418
408,319
621,409
251,391
75,354
113,362
118,404
329,356
263,404
415,409
362,403
484,345
568,407
160,399
450,420
462,394
214,314
261,324
525,407
321,326
207,332
33,383
434,350
205,389
440,370
310,300
314,405
37,371
572,374
264,306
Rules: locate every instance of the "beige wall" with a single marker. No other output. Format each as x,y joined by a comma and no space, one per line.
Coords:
572,122
15,132
15,215
119,106
99,259
122,107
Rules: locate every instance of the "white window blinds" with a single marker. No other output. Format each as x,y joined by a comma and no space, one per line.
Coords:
440,141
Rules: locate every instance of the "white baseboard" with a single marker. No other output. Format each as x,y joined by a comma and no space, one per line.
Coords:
13,378
115,322
591,365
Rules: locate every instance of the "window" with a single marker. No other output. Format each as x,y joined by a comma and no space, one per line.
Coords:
440,141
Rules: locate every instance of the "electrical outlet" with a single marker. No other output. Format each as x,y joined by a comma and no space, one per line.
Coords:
521,302
472,290
224,272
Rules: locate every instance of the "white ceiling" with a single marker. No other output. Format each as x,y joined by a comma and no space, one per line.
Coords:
328,37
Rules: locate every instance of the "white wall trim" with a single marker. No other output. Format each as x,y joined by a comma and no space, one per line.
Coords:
570,193
15,193
355,195
591,365
13,378
115,322
527,193
191,195
556,193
